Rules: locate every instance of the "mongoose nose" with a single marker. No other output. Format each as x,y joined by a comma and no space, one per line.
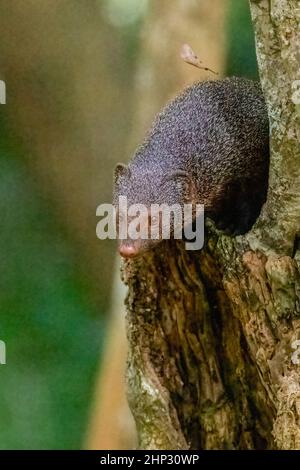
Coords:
127,251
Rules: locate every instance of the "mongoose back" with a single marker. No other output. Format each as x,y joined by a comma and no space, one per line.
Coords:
210,146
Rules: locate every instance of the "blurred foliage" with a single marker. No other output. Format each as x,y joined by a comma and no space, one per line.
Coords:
126,19
69,73
52,334
241,58
124,13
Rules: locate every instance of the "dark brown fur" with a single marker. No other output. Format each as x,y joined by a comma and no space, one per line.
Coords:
210,145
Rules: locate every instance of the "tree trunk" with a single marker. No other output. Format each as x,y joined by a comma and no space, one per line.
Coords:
110,424
211,333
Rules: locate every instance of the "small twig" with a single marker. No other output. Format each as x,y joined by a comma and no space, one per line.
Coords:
189,56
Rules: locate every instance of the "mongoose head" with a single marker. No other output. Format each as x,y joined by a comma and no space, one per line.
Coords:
147,188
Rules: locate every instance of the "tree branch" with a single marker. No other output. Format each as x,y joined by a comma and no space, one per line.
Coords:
277,36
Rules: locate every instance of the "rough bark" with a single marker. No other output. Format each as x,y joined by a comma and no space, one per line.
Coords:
211,333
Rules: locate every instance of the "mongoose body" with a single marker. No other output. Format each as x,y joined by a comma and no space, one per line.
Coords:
210,145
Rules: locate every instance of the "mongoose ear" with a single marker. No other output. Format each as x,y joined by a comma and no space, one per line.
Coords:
120,170
177,175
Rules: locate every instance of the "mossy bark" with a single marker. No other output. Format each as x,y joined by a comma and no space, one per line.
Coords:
211,333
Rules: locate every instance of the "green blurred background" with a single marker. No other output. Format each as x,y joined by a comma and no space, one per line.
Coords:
73,71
